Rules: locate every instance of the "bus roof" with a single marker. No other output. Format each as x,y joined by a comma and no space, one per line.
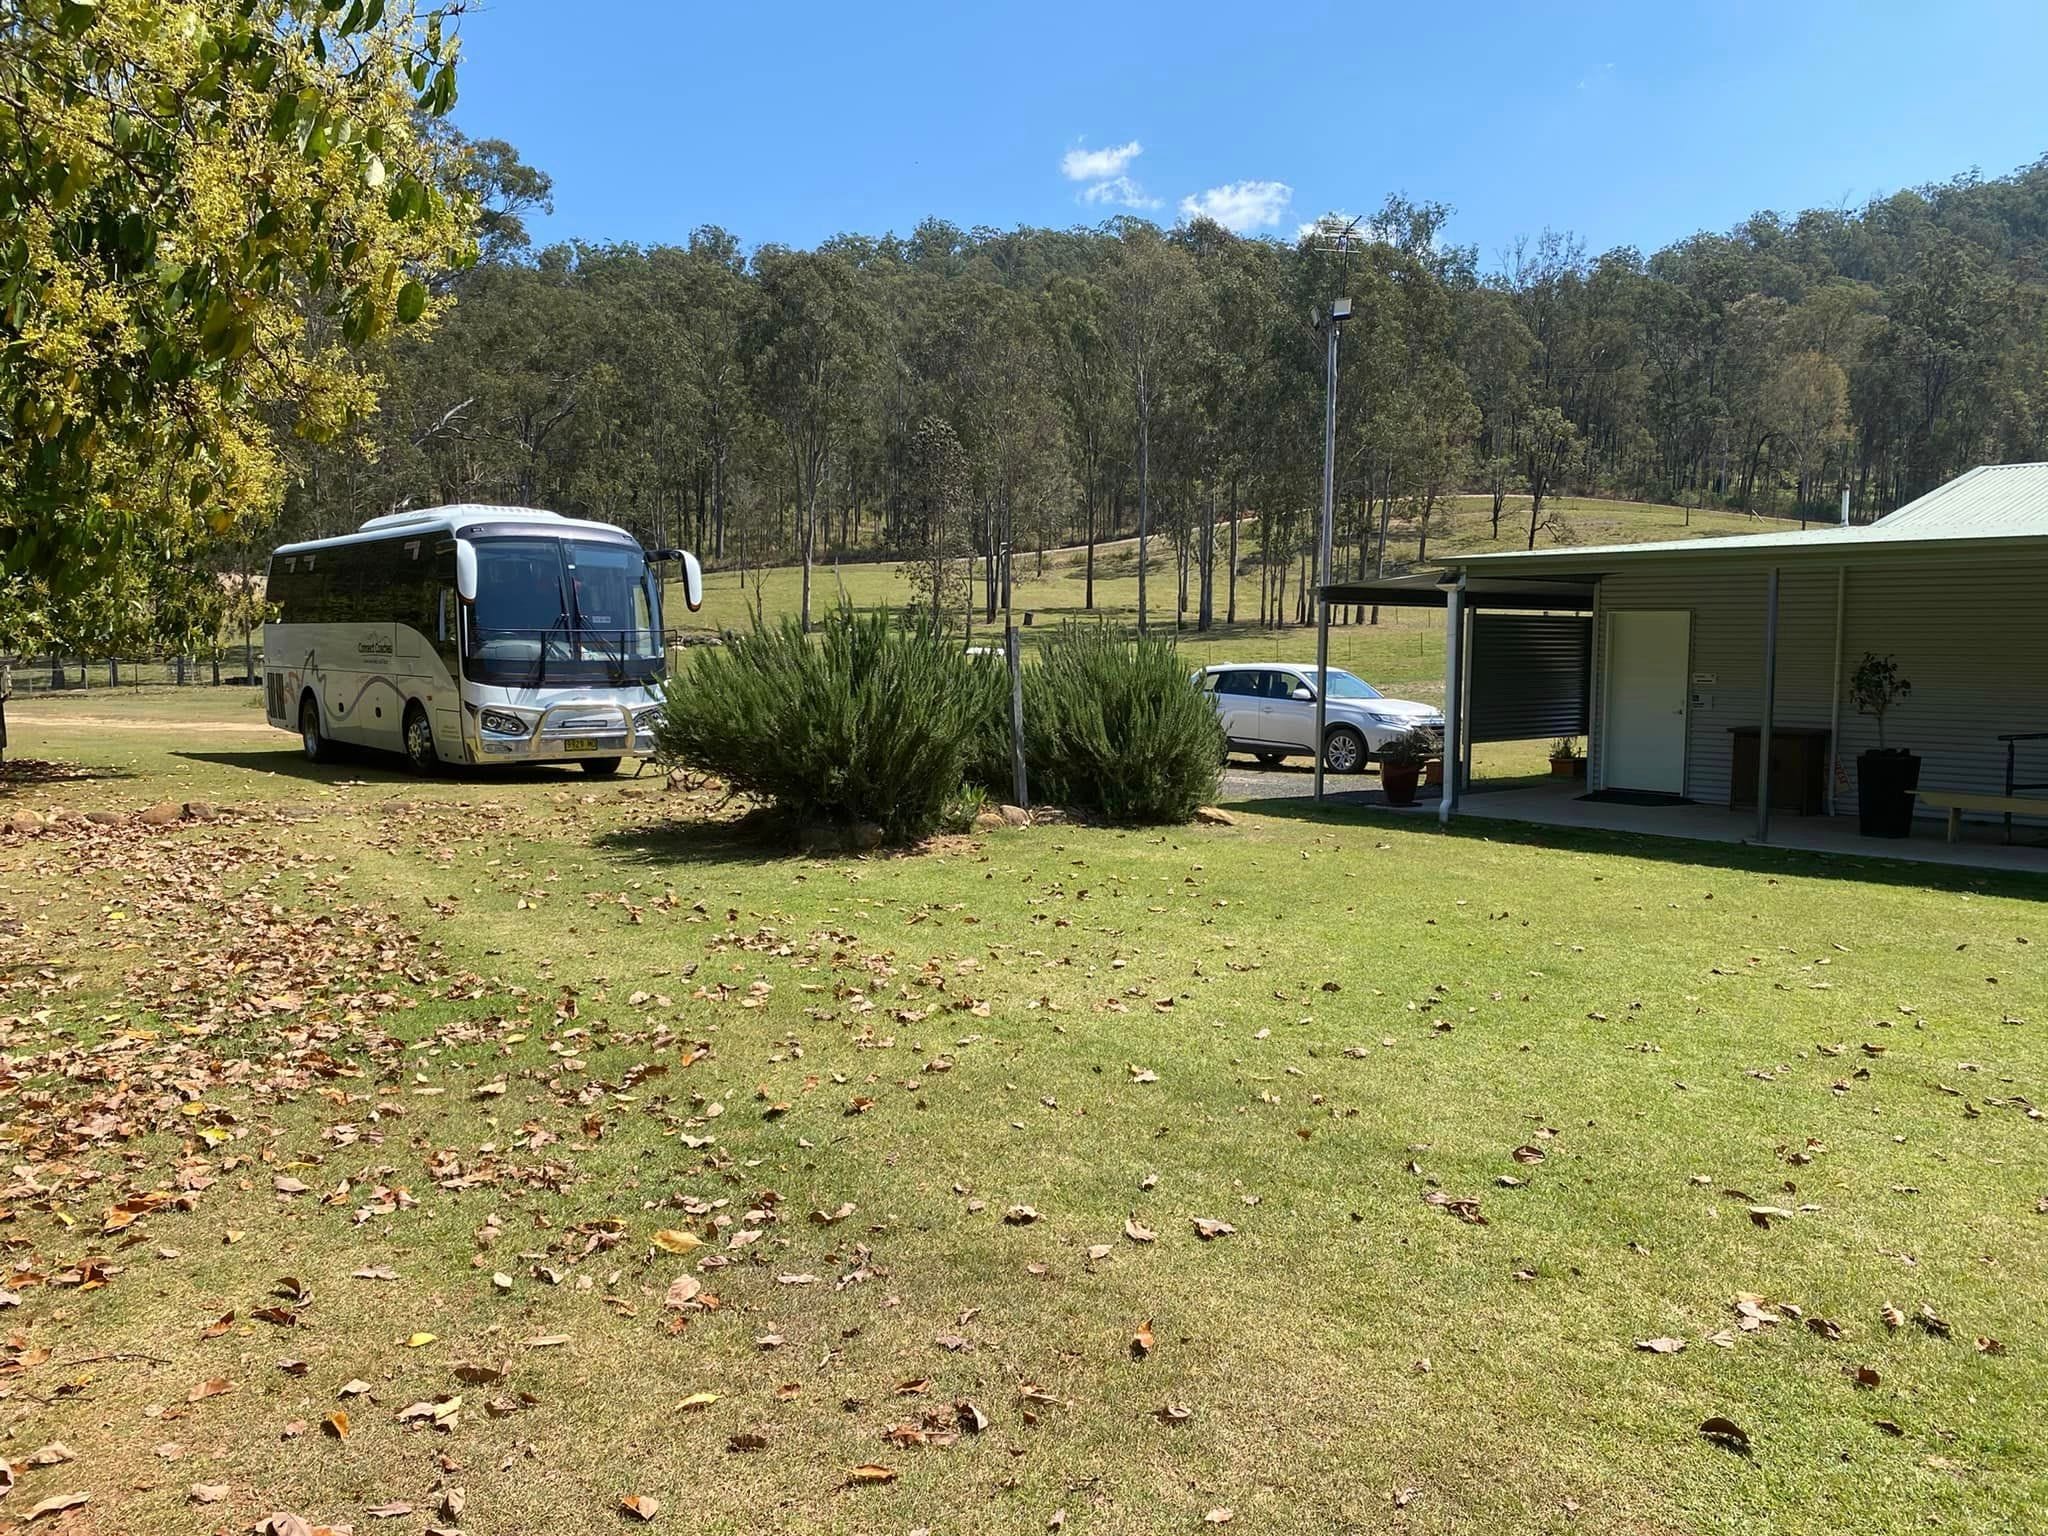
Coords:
451,519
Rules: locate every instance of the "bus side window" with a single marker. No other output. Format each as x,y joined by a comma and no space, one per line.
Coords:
441,617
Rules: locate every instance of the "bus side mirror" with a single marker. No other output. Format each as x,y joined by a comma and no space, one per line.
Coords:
693,580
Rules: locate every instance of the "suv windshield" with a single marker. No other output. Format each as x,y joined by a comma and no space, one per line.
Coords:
554,610
1344,686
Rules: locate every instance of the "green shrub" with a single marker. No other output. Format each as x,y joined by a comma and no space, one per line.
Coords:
873,719
1113,726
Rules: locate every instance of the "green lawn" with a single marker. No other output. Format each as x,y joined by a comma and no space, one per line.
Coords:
591,1012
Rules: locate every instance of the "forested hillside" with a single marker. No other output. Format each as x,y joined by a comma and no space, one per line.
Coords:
946,394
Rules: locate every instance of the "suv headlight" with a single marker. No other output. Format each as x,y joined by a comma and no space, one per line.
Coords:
501,723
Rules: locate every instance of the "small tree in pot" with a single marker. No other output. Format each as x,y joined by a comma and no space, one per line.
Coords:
1887,776
1401,761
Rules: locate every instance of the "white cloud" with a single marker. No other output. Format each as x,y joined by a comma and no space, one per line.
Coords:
1120,191
1240,205
1099,164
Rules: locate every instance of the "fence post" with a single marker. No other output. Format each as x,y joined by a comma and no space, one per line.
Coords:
1011,654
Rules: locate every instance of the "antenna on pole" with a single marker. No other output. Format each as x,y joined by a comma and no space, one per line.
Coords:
1340,233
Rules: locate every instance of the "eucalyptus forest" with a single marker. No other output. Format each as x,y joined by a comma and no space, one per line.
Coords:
953,393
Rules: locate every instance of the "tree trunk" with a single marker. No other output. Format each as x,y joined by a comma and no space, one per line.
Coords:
1144,504
1088,599
1230,579
806,538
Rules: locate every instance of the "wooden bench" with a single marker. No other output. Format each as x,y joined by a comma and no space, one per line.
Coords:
1957,801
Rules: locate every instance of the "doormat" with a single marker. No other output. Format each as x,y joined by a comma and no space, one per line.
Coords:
1634,797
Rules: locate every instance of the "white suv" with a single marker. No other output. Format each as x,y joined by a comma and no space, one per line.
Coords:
1269,710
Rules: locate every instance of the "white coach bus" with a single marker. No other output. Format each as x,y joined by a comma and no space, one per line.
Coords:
471,634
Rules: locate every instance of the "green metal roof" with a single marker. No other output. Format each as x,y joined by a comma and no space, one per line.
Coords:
1989,505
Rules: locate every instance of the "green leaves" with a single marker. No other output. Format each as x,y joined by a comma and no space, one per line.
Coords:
134,138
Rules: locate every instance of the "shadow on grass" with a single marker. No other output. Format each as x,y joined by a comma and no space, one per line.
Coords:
758,837
22,772
365,765
1744,858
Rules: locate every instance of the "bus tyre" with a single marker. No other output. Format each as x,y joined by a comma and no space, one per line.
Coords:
317,747
419,741
599,767
1344,751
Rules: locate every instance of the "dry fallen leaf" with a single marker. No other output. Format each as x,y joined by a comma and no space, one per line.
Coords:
1208,1228
683,1290
1141,1341
1219,1516
641,1506
213,1387
871,1472
1020,1216
697,1400
207,1493
1661,1346
1726,1433
336,1423
57,1503
674,1240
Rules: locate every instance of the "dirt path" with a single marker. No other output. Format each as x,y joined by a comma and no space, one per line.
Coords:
22,719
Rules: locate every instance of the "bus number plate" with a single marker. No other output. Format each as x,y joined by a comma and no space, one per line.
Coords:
580,744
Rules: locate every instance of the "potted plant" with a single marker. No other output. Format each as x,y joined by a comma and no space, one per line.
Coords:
1886,776
1401,760
1567,761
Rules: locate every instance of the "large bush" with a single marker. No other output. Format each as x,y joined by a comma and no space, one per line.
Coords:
875,719
1114,727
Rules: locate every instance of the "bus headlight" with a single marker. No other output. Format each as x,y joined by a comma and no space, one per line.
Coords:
500,723
644,720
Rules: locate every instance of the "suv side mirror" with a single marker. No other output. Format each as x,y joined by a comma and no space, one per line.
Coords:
1304,695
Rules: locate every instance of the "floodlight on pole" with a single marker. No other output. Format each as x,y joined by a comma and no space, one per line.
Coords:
1330,325
1333,232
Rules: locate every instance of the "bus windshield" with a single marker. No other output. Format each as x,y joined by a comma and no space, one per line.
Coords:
563,611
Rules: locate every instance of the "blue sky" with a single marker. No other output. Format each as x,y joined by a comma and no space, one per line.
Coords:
1625,123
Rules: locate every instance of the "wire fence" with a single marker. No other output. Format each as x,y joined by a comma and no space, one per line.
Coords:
74,674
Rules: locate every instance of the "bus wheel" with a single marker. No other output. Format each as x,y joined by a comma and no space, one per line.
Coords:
317,747
419,741
599,767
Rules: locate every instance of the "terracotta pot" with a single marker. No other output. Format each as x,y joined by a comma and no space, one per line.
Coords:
1398,783
1433,772
1567,767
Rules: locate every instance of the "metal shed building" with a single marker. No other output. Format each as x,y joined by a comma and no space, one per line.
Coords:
1699,651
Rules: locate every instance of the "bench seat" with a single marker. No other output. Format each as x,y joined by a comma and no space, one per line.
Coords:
1957,801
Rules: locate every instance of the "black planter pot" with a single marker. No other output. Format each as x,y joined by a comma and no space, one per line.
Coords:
1885,781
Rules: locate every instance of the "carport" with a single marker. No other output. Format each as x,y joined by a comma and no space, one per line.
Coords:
1518,657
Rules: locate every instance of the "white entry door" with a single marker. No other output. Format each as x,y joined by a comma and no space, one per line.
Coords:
1648,652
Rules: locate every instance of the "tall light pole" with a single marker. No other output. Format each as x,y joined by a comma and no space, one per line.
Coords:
1329,325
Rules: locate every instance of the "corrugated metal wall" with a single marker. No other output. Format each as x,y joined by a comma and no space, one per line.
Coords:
1972,637
1529,675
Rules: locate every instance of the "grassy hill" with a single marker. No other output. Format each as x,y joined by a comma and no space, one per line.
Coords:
1403,653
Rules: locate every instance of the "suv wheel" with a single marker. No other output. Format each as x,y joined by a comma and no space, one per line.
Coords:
1344,751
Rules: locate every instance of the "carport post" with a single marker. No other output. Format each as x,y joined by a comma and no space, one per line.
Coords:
1763,738
1454,696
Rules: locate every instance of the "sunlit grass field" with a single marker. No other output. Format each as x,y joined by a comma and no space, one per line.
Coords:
378,1093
